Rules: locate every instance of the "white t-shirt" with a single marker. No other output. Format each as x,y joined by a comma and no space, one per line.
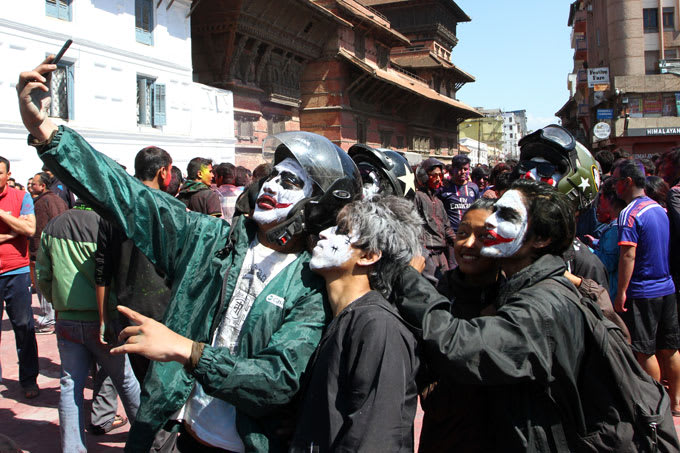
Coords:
212,419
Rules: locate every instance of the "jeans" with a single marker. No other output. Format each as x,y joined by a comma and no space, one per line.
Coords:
78,343
16,296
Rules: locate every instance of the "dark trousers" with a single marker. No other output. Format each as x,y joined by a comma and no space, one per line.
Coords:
16,297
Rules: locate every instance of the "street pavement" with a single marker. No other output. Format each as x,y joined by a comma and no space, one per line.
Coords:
34,424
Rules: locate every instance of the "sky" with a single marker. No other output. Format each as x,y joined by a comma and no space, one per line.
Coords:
520,55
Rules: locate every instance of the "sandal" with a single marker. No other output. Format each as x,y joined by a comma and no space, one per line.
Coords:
118,421
675,413
31,391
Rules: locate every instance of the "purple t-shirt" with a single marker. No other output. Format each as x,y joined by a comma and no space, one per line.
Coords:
644,225
457,199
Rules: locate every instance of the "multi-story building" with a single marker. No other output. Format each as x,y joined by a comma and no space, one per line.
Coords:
514,128
484,137
626,67
125,82
339,68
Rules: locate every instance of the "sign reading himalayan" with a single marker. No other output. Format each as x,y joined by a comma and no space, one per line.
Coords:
598,76
650,131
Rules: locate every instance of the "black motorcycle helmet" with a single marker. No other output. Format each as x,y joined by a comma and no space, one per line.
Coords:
335,176
383,171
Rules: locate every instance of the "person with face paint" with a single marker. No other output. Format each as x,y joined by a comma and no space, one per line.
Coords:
437,232
245,313
533,346
195,193
361,392
455,416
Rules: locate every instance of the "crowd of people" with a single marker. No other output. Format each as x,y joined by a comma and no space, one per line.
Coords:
308,306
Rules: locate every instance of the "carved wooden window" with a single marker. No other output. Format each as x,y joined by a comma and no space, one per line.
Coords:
245,128
276,125
437,144
359,44
361,130
386,139
383,56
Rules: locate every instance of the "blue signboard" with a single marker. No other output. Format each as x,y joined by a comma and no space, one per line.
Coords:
605,114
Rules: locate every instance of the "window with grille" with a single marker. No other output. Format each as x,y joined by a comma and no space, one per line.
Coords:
61,9
61,89
144,21
150,102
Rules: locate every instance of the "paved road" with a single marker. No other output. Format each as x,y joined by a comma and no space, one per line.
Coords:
34,424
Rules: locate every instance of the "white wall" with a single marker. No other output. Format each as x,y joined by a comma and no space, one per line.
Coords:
107,59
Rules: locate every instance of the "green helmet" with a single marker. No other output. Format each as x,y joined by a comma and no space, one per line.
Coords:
551,154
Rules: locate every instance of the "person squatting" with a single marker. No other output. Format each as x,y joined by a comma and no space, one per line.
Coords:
304,323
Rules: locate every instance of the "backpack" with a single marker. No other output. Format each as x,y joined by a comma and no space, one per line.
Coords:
622,408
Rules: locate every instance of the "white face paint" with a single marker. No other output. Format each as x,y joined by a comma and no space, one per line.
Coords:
506,227
280,192
332,250
533,173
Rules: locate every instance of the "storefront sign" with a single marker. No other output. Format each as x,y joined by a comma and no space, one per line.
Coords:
653,131
602,131
598,76
605,114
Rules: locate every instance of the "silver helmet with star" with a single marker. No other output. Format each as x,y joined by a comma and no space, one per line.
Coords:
551,154
383,171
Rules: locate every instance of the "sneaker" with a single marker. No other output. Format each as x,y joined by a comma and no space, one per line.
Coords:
46,330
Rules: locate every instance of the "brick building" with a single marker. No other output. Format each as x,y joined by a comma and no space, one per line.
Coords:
635,46
376,72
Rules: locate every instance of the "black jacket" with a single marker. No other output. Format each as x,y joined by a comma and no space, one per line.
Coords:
361,392
527,356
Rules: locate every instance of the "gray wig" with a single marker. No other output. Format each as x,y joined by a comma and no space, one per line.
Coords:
389,225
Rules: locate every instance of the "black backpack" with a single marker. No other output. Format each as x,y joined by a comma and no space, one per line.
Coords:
622,409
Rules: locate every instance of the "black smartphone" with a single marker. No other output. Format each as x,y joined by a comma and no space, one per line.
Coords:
62,51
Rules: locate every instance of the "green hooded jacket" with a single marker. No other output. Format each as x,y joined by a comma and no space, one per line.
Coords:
278,337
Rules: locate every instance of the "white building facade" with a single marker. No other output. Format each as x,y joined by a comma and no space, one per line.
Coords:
124,84
514,128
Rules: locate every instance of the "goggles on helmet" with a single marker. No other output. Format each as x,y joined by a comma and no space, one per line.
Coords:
544,169
551,135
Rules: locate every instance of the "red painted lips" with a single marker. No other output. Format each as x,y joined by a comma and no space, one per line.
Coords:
267,203
497,239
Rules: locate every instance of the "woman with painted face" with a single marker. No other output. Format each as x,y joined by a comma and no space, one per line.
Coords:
437,232
360,395
527,355
455,414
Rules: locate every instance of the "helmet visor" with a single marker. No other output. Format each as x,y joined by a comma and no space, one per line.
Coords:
317,155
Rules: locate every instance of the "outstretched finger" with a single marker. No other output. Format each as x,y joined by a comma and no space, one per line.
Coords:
132,315
128,332
126,349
